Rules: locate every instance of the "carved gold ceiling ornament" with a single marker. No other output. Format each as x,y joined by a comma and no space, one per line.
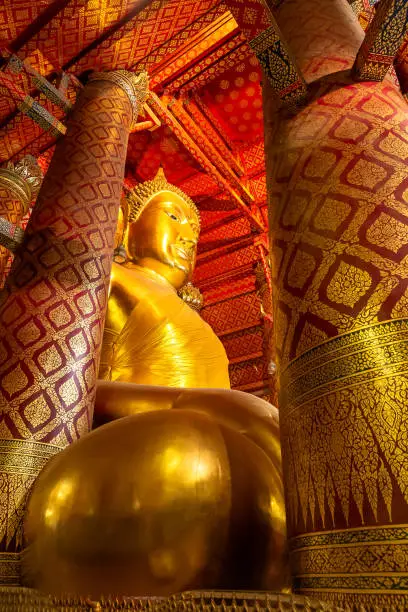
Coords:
23,178
136,86
141,195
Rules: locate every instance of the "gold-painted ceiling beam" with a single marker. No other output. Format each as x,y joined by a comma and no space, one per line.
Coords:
159,107
197,48
197,134
16,66
30,107
196,114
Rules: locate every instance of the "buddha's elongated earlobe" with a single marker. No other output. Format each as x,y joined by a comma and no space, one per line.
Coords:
119,253
192,296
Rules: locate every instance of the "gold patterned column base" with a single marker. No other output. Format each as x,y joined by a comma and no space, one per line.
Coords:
361,566
344,431
344,404
28,600
20,463
10,569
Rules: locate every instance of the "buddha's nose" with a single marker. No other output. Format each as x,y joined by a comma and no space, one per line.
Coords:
188,236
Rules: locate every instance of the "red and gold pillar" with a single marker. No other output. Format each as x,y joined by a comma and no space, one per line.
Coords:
53,307
338,185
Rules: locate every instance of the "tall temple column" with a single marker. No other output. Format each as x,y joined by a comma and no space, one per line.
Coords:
338,187
19,184
53,307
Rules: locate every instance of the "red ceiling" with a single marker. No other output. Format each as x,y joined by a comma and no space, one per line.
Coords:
79,35
147,151
235,98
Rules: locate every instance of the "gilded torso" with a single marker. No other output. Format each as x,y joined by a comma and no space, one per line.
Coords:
152,337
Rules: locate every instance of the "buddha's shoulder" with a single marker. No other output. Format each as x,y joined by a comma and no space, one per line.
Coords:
121,275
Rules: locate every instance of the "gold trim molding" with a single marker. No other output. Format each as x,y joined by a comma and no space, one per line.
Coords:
365,566
27,600
10,569
367,558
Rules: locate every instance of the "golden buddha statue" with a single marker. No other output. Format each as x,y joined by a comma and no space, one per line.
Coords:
151,336
182,489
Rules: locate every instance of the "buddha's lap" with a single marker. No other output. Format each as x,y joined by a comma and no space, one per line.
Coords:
242,412
176,479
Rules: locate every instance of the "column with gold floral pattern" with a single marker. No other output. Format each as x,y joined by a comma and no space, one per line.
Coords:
52,310
338,181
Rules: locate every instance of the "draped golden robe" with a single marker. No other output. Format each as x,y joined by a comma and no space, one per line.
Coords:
152,337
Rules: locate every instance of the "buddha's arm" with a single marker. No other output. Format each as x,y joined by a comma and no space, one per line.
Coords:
240,411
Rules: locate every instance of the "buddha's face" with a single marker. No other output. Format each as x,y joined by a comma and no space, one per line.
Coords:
164,238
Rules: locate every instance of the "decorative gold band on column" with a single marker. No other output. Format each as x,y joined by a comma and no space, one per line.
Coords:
335,364
20,463
364,562
10,569
136,86
26,457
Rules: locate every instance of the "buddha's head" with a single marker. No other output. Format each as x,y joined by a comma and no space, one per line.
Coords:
163,230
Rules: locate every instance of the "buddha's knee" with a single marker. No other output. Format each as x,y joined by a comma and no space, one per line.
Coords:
154,504
244,413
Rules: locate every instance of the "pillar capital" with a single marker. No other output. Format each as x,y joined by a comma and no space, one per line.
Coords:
136,86
23,179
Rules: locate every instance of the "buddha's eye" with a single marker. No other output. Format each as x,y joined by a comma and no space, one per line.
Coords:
173,216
